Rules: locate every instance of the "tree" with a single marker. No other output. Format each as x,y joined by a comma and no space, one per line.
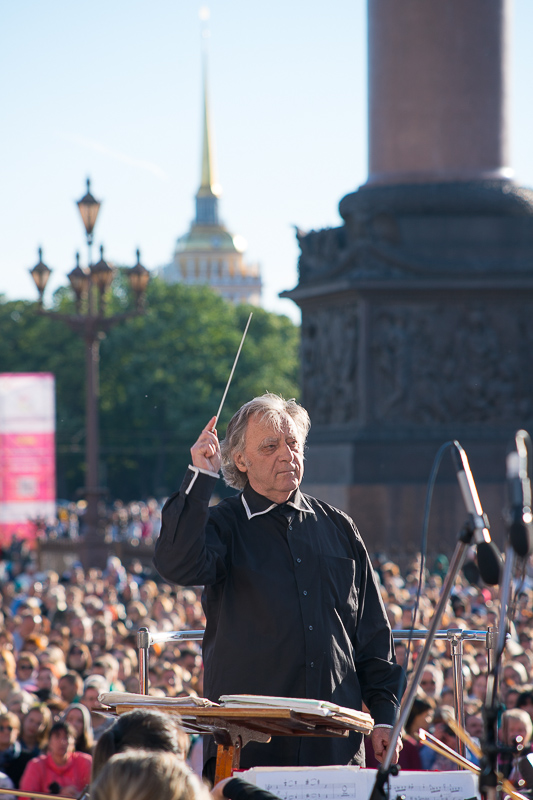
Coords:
162,376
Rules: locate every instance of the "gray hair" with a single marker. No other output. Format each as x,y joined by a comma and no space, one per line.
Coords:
270,408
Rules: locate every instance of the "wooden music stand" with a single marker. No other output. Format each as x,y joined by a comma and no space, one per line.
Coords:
232,728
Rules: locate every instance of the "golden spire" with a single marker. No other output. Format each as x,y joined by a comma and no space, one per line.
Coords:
208,183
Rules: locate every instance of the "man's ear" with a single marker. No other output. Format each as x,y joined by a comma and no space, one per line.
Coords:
240,463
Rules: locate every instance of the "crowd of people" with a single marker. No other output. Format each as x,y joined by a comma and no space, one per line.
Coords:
67,638
124,522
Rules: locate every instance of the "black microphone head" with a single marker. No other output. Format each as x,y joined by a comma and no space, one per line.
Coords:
520,537
489,561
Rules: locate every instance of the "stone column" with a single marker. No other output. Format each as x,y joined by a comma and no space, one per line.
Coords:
416,312
438,90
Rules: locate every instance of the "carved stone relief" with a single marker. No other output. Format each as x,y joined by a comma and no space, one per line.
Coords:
448,363
330,364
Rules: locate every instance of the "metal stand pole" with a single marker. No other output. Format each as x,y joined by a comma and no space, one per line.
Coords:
465,539
143,645
145,639
457,671
492,637
488,777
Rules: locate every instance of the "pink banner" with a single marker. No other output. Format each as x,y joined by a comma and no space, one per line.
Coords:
27,453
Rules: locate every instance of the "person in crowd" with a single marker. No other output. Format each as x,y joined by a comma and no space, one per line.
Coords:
145,775
27,623
79,658
7,687
282,572
46,682
32,740
26,670
479,686
525,701
474,726
141,729
79,716
35,729
6,783
516,723
61,770
516,733
70,687
510,694
20,702
432,680
7,664
514,673
10,747
95,685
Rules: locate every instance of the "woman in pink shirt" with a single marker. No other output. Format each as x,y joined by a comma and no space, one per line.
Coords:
61,771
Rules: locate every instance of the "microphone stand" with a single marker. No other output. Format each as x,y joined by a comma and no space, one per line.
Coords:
518,544
464,541
488,777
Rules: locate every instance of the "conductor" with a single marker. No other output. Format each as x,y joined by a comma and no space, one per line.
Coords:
291,602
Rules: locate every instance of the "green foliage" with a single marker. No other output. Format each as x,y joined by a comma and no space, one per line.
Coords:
162,376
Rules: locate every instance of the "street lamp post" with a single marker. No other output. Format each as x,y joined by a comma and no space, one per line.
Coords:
91,323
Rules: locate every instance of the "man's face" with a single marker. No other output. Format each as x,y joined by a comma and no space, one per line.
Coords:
68,689
515,727
90,698
474,725
272,460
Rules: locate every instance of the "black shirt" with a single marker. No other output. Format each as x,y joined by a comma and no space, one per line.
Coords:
292,608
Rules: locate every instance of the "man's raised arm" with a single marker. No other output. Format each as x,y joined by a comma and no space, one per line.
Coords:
183,554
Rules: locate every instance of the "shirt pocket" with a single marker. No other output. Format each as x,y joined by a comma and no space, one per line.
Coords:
339,590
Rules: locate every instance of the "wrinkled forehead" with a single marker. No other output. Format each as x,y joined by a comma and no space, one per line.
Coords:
262,425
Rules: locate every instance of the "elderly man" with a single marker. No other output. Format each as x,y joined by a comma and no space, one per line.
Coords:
291,602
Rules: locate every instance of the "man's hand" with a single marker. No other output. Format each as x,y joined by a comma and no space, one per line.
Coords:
206,451
380,741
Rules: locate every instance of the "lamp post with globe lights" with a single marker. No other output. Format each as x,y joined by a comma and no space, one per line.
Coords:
91,322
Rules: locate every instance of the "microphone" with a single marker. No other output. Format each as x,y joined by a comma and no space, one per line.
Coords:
519,492
489,558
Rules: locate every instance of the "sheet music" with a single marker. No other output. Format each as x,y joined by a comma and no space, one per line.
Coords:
353,783
310,783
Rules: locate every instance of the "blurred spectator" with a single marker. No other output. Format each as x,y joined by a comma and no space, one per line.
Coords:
9,745
19,702
93,686
432,680
525,701
79,658
70,687
32,740
7,664
26,670
141,729
61,770
144,775
79,716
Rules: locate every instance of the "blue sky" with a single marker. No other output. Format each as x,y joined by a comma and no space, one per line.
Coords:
112,90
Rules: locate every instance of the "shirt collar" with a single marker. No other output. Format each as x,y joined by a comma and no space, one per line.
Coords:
256,504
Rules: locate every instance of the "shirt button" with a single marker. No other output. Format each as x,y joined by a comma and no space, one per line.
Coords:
290,527
304,593
310,627
298,560
312,664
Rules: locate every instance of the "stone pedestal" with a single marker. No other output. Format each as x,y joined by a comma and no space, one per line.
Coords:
417,329
417,313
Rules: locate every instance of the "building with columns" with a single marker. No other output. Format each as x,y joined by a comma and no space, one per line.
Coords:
208,254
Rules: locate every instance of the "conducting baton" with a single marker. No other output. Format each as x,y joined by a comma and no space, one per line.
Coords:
232,371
